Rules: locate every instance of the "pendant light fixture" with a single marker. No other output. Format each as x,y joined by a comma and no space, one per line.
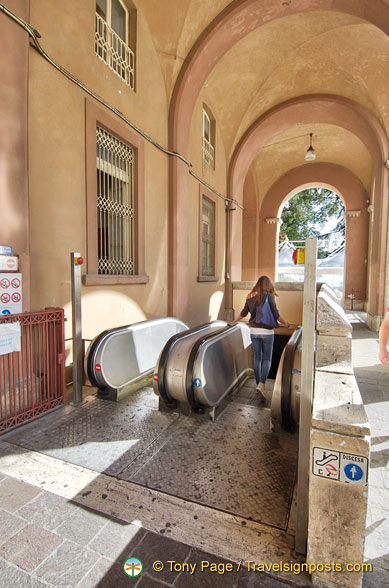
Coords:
310,154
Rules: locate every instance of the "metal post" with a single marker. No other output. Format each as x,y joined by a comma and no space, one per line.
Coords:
75,263
228,291
307,380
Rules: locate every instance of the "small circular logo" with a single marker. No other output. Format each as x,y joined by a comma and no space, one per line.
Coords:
132,567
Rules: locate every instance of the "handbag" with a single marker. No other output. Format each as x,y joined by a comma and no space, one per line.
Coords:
264,315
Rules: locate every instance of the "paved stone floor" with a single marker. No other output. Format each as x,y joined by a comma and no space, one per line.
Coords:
373,382
64,526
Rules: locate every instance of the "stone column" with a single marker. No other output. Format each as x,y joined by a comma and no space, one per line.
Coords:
270,238
340,451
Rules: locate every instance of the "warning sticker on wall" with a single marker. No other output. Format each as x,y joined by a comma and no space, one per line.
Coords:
343,467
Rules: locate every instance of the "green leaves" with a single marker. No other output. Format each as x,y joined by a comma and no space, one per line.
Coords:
307,213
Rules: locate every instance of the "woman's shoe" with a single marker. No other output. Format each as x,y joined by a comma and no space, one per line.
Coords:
261,390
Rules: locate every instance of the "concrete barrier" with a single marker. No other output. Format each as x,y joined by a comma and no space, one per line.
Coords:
340,453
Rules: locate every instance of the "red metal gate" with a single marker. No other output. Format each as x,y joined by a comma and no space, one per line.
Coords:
32,380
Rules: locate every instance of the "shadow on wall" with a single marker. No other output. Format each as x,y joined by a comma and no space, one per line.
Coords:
216,306
102,309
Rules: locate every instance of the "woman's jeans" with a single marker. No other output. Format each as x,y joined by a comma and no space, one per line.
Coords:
263,351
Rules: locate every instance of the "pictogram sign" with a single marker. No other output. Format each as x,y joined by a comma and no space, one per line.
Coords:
10,293
343,467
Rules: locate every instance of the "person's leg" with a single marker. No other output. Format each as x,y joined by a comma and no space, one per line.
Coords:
257,349
267,348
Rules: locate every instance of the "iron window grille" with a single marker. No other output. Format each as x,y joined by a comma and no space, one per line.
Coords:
208,237
115,205
111,39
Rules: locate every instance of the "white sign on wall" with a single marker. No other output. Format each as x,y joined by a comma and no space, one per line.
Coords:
9,263
10,334
10,293
340,466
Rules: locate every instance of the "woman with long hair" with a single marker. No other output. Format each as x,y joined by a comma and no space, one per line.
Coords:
261,329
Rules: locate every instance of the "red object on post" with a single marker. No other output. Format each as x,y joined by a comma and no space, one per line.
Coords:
294,256
78,260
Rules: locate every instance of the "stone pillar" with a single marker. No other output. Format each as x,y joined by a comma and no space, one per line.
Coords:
14,43
376,308
270,237
355,259
340,451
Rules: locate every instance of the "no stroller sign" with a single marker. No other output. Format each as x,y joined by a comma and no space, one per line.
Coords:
336,465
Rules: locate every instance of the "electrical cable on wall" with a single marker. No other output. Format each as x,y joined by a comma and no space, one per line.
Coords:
35,35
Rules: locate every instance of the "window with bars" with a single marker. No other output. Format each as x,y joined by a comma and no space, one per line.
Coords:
208,237
115,205
112,39
208,142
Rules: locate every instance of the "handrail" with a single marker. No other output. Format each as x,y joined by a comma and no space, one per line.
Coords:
190,365
161,380
286,380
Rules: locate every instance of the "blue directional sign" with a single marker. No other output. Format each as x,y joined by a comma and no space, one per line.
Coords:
353,472
197,382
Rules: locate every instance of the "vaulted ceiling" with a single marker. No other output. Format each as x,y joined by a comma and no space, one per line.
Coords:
309,52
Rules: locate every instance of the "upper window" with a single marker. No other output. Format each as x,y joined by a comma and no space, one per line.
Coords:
112,39
208,139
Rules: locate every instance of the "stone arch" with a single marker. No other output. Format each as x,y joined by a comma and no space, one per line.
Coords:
233,23
326,109
354,196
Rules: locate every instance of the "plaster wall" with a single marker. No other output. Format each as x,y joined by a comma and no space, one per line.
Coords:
250,233
13,140
205,297
289,300
57,166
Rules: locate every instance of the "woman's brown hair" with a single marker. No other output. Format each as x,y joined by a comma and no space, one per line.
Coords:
263,285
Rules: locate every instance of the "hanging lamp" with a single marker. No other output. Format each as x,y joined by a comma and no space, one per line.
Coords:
310,154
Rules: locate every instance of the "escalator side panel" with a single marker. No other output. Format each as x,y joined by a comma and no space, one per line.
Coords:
120,356
204,365
220,363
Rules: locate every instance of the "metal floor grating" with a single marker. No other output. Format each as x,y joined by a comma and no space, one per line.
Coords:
234,464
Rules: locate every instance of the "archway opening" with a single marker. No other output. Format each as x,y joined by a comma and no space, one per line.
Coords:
313,212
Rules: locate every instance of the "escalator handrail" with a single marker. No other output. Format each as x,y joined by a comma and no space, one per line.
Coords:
189,385
286,380
92,351
101,337
161,373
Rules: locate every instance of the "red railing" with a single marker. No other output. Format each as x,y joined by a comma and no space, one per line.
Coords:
32,380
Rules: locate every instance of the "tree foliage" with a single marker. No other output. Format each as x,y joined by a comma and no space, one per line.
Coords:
306,214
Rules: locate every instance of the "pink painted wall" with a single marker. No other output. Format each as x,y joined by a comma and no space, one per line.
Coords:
232,24
250,235
327,109
14,47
